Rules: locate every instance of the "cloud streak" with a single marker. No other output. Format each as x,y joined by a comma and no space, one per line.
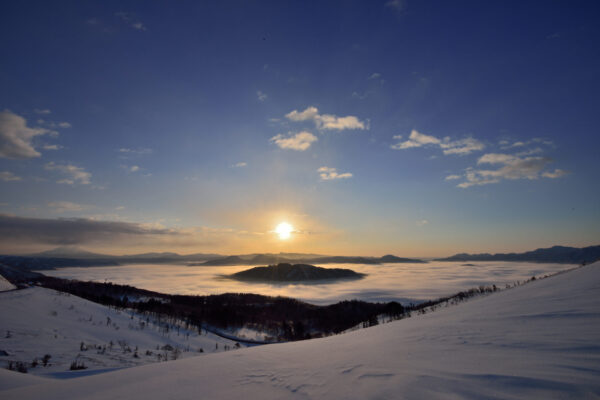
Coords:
448,146
72,231
509,167
326,121
62,206
8,176
72,173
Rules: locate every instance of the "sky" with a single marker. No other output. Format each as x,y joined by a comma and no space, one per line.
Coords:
417,128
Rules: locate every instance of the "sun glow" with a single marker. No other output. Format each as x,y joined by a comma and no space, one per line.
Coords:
284,230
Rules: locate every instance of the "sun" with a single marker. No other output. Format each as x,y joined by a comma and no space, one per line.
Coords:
284,230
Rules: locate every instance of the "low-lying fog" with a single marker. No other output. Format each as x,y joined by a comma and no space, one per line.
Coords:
385,282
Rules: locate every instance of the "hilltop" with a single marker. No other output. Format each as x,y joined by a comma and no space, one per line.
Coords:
285,272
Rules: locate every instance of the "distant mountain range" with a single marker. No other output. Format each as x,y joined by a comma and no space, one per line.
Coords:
72,256
286,272
268,259
555,254
74,252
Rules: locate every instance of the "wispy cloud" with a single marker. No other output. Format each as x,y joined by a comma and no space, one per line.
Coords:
16,137
326,121
43,111
557,173
130,20
138,25
422,222
66,206
72,173
374,75
52,147
8,176
452,177
397,5
240,165
510,167
448,146
261,96
328,174
138,151
299,141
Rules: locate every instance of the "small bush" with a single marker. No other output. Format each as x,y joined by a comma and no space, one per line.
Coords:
45,359
17,366
77,365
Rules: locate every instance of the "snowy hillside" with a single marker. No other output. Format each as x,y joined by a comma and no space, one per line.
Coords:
38,321
5,285
539,340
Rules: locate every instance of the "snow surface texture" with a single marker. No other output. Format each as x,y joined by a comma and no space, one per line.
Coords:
540,340
5,285
37,321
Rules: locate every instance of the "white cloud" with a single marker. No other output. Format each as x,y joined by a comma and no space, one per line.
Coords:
64,125
52,147
452,177
326,121
417,139
73,173
328,174
16,137
374,75
511,167
134,168
62,206
240,165
140,151
299,141
520,143
462,146
308,114
44,111
422,222
261,96
556,174
8,176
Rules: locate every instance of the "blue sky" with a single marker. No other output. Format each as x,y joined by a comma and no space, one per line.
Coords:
419,128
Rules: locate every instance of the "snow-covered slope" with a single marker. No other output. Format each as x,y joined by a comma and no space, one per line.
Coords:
540,340
5,285
37,321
